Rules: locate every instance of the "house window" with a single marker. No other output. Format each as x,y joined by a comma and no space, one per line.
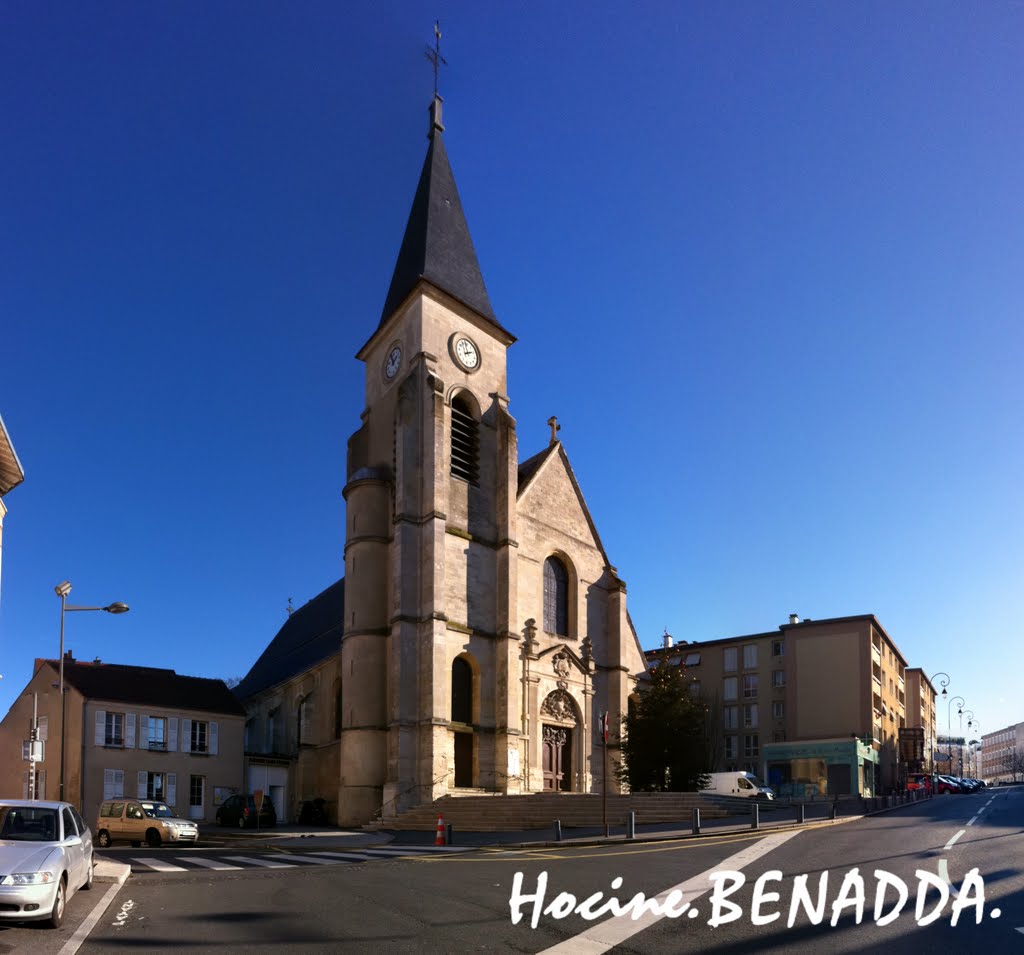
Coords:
695,689
750,716
732,717
196,786
750,657
199,737
157,726
730,659
778,677
778,648
462,691
465,441
751,749
750,686
155,786
730,747
113,784
113,733
778,709
729,688
556,597
692,660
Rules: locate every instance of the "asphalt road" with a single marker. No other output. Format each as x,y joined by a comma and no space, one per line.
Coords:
461,902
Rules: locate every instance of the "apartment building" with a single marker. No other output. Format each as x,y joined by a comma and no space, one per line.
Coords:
1002,754
920,709
813,707
129,731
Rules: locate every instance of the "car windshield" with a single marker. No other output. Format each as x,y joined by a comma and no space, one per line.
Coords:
157,810
28,824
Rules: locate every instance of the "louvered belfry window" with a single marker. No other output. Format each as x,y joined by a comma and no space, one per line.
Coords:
465,442
556,597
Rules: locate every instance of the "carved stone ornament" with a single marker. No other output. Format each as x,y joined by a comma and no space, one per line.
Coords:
560,664
558,706
552,734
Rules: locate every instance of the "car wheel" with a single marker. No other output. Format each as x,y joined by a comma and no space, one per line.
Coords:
89,877
241,822
103,839
153,839
57,914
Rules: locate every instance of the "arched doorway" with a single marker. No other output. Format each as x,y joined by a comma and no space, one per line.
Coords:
558,738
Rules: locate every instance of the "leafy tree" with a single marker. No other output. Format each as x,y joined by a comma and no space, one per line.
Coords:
664,747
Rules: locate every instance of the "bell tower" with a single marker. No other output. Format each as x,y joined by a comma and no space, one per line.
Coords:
430,571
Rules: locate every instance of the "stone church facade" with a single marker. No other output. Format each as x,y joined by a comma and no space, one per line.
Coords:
483,628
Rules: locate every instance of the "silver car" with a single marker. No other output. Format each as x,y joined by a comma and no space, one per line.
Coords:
45,857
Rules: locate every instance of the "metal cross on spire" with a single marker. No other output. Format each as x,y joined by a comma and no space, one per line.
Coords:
434,55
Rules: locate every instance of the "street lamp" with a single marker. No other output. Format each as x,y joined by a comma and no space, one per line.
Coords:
943,683
949,724
62,590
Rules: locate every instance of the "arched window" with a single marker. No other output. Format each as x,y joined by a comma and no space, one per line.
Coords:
465,441
462,691
556,597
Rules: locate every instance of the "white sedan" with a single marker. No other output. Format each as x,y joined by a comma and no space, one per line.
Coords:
45,857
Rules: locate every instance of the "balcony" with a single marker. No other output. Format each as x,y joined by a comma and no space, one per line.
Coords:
876,656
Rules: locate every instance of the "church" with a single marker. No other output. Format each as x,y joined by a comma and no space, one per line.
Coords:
480,631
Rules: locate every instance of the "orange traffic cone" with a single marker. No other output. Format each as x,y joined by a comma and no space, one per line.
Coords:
439,838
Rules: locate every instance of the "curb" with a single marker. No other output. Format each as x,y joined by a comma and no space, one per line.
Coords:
106,870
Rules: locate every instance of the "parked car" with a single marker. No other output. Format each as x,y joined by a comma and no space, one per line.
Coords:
45,858
141,820
947,784
240,811
738,784
921,781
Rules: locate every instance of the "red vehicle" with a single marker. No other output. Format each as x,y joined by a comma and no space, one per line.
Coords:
919,781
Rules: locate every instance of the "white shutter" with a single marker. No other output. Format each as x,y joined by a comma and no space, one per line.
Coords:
172,789
186,736
101,726
108,784
118,784
41,784
44,728
129,731
143,731
213,739
172,734
141,778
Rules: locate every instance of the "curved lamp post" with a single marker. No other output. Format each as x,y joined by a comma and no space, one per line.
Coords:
943,683
62,590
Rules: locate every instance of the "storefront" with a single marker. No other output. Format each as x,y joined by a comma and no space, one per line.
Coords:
821,768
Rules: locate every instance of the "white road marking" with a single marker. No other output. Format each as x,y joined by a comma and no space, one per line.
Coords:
944,875
73,944
614,931
159,865
347,856
973,820
408,850
268,863
949,845
310,859
210,863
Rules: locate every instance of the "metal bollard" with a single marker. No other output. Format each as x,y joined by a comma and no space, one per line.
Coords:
802,816
450,833
696,821
558,830
755,817
631,825
835,810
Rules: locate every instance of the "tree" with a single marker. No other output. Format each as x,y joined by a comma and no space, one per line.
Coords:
664,748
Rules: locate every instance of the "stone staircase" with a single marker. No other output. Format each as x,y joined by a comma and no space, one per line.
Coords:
496,813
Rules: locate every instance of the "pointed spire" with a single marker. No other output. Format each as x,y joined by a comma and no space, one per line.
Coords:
437,246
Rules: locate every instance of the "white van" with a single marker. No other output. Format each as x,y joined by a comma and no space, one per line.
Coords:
738,784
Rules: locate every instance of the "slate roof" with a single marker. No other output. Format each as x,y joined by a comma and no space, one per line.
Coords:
310,634
437,245
11,471
149,686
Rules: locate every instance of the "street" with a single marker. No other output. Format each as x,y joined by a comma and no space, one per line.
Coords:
460,901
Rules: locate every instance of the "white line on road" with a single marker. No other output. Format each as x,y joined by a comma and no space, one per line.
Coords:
210,863
159,866
268,863
310,859
411,850
73,944
606,935
949,845
973,820
944,875
347,856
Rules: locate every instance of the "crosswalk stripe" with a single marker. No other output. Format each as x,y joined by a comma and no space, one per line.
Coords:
269,863
439,848
159,865
401,851
346,856
303,858
210,863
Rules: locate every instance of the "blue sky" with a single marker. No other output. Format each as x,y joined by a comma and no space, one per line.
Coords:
763,262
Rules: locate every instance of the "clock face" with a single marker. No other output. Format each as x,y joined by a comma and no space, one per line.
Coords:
466,353
393,362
